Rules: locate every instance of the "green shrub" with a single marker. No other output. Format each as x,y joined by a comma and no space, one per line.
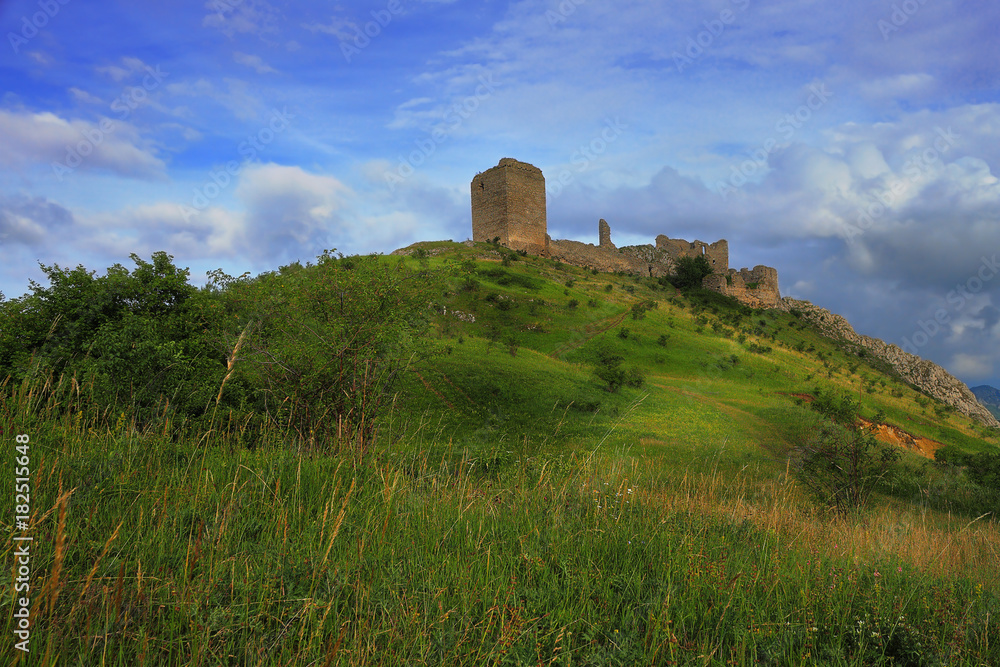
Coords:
506,279
841,467
842,409
690,271
138,339
608,368
327,344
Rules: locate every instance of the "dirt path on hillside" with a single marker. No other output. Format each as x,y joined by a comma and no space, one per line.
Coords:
589,331
435,391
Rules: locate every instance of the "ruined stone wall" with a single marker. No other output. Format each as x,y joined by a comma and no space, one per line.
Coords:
589,256
641,260
508,201
757,288
716,253
604,233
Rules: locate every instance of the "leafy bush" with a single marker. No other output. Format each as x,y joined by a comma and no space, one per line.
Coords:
984,470
609,370
325,345
690,271
842,409
841,466
504,278
138,339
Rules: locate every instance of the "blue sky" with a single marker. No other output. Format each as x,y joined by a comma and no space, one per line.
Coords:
854,146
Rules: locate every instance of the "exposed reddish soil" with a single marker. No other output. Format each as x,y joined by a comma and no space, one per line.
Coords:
896,436
893,435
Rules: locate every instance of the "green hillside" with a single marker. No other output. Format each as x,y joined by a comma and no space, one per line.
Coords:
469,456
714,369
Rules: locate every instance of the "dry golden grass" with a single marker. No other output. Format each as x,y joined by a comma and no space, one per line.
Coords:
931,542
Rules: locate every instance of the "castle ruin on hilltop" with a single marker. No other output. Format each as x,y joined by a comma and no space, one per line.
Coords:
508,203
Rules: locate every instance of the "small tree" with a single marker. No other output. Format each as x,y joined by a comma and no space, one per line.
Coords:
329,344
842,465
609,370
690,271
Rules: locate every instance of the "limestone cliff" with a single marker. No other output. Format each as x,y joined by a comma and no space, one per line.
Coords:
928,376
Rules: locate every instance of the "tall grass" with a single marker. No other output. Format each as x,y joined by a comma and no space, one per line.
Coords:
157,550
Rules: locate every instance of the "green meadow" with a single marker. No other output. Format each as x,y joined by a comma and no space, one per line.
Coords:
469,457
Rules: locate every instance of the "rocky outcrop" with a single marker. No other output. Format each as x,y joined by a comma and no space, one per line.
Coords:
926,375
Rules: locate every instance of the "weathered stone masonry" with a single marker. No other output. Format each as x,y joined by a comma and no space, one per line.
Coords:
508,201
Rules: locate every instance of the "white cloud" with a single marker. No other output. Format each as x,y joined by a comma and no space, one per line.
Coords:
129,66
340,28
238,96
32,139
31,221
254,17
40,57
972,365
253,61
84,97
912,84
291,213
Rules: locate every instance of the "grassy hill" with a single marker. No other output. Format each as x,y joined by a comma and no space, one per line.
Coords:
507,508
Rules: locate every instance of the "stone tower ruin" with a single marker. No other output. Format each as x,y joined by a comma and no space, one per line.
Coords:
508,201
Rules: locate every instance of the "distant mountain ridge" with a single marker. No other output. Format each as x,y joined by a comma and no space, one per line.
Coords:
989,397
